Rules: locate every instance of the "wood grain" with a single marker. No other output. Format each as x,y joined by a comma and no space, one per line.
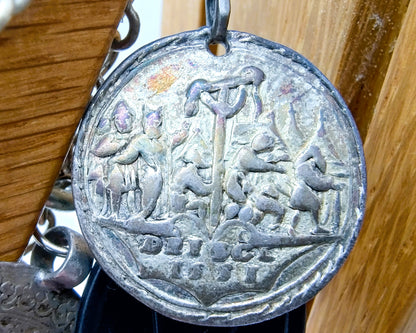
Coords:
50,55
366,56
376,289
182,15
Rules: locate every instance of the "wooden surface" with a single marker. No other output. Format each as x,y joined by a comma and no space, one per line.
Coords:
376,289
352,43
50,55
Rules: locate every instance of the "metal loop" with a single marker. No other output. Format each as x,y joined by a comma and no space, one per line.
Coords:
49,246
47,218
217,16
134,28
41,240
75,267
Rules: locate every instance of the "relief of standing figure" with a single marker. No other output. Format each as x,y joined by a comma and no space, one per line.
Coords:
152,150
117,179
311,179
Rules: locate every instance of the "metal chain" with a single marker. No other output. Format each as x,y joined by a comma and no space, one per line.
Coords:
42,241
133,33
121,44
46,221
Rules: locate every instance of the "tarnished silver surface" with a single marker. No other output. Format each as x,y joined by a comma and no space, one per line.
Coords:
27,307
219,190
37,298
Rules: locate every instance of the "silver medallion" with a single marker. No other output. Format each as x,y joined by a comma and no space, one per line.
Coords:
219,191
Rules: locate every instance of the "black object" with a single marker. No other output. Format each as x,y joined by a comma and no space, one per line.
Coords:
106,308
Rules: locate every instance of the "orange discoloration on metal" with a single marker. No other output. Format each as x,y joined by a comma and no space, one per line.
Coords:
162,81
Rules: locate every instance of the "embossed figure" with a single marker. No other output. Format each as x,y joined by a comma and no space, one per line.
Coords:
223,108
180,136
247,160
311,179
117,179
267,202
190,182
188,178
152,150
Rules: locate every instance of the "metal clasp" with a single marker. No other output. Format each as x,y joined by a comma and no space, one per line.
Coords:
217,16
74,269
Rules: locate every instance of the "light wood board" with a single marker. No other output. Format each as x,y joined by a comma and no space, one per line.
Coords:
50,56
376,289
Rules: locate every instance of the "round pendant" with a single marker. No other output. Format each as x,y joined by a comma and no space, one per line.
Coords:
219,191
